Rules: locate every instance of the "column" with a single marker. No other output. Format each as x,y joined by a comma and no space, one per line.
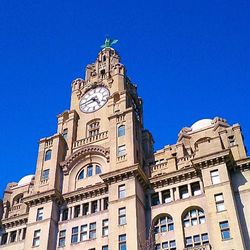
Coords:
81,210
98,205
189,190
160,196
172,194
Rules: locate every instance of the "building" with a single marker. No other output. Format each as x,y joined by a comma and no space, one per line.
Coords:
99,184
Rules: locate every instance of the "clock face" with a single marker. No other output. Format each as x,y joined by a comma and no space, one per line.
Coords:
94,99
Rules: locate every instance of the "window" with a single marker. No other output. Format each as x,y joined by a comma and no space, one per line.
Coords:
39,214
105,248
92,230
98,170
105,227
65,134
194,217
81,175
36,238
231,140
74,235
106,203
183,192
215,176
48,155
158,247
196,240
84,232
155,199
62,238
45,174
13,236
164,224
65,214
93,128
4,239
172,245
24,234
85,209
195,188
121,130
121,150
89,170
77,211
164,245
122,216
122,191
219,202
94,207
122,242
166,196
225,230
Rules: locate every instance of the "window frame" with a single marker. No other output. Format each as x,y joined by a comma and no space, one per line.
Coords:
36,238
39,214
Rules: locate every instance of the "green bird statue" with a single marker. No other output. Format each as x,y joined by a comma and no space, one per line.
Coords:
109,42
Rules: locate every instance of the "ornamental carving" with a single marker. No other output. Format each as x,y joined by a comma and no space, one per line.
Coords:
80,154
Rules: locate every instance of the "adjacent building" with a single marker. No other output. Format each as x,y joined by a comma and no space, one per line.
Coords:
99,185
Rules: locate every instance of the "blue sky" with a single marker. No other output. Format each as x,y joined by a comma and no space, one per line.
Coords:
190,60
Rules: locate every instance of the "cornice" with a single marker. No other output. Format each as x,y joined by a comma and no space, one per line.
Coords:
126,173
15,221
128,110
174,177
243,164
86,192
217,158
75,158
43,197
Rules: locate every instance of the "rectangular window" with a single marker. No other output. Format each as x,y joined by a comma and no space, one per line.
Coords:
13,236
65,213
76,211
189,241
4,239
62,238
183,192
197,240
24,234
166,196
165,245
122,242
219,202
94,207
195,188
158,247
105,248
172,245
74,235
231,140
122,191
92,230
122,216
84,232
89,170
225,230
85,208
36,238
45,174
105,227
204,238
155,199
65,134
121,150
106,203
215,178
39,214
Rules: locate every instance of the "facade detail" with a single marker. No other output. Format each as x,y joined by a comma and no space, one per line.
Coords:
99,184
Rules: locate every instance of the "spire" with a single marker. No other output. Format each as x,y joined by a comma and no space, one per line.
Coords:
109,42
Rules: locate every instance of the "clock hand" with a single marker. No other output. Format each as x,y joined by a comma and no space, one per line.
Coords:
90,100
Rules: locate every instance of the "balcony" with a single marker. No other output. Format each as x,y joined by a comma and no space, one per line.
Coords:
90,139
17,209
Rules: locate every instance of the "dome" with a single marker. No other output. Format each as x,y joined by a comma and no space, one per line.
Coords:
26,180
201,124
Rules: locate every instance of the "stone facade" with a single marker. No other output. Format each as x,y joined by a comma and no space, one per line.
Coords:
99,184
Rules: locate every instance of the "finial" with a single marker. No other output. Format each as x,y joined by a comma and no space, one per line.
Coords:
109,42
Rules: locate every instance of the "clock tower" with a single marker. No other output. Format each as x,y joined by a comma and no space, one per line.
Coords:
97,149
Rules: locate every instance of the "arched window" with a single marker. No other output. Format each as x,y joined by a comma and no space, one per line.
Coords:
48,155
194,217
98,170
163,224
81,175
104,58
121,130
18,199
